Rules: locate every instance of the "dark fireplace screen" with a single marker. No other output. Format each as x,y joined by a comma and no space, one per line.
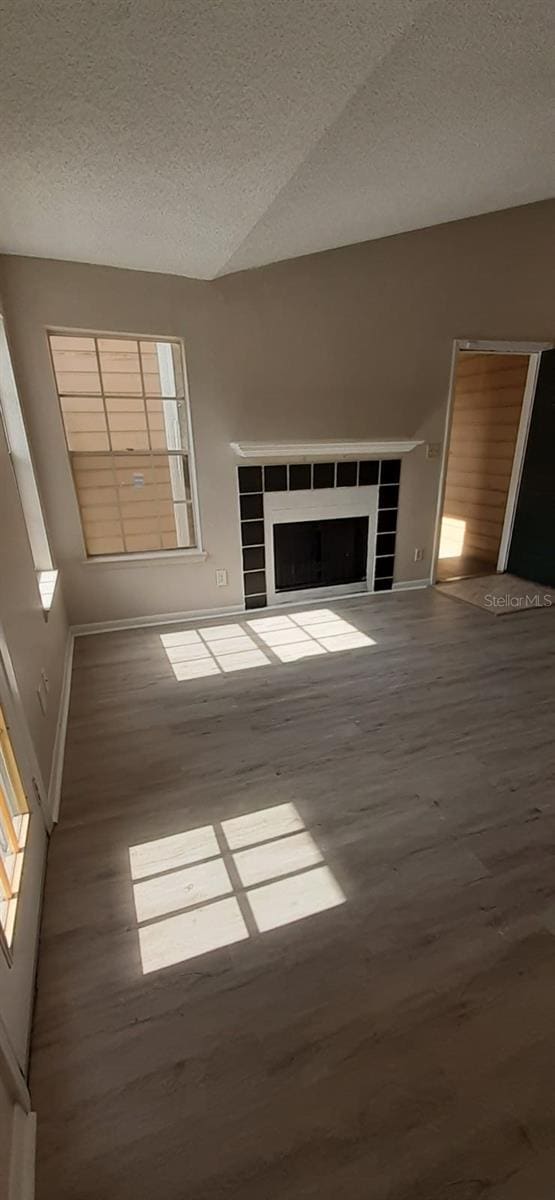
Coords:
320,553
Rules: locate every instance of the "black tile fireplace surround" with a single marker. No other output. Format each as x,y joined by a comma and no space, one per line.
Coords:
254,481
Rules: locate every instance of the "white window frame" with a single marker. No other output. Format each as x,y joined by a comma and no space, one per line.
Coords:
194,553
14,822
20,456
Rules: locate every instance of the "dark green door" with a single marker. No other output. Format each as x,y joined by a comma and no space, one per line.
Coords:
532,552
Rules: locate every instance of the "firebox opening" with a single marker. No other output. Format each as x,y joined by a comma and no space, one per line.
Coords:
320,553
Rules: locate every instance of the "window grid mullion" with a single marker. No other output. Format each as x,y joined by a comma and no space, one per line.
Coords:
5,884
150,450
102,394
111,450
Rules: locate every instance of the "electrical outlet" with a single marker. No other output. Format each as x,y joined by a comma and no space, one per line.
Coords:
221,577
418,554
433,449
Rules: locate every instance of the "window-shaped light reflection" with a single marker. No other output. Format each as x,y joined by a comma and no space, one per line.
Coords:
283,857
191,934
181,889
294,898
260,826
345,641
194,654
177,850
244,660
47,587
295,651
451,542
222,649
207,888
301,635
215,632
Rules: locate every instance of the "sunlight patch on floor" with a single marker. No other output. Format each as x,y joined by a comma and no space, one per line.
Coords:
190,934
293,899
196,653
261,826
208,888
303,634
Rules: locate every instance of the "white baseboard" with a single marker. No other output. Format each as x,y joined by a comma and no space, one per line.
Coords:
409,585
156,619
22,1159
57,769
231,610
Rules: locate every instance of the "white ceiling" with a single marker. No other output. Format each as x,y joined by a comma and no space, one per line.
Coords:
205,136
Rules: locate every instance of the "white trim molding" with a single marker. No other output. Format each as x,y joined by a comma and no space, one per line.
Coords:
234,610
518,460
485,347
179,557
58,754
310,450
203,614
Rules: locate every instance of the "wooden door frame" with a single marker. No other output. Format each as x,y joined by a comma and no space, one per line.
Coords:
534,351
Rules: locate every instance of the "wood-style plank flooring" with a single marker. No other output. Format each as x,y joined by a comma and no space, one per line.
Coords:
397,1046
463,566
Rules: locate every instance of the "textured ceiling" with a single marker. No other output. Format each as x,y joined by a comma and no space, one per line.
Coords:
205,136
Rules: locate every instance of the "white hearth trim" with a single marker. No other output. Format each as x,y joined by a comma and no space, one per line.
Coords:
320,505
300,451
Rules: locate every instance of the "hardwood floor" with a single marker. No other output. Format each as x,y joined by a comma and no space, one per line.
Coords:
397,1046
463,566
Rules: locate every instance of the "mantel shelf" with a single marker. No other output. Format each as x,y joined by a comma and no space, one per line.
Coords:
310,450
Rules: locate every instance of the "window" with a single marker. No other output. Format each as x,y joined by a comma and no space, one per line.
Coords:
18,446
14,819
126,421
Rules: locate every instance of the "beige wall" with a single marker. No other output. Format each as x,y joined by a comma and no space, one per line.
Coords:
352,343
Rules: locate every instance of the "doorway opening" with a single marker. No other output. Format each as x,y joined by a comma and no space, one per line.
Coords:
491,401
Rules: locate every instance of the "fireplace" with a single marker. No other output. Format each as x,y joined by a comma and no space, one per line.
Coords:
325,553
317,529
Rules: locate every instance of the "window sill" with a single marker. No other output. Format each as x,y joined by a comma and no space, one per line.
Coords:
180,557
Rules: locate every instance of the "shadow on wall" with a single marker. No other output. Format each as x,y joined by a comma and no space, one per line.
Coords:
226,882
194,653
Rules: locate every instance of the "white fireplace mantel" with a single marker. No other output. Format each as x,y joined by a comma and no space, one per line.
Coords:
311,450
